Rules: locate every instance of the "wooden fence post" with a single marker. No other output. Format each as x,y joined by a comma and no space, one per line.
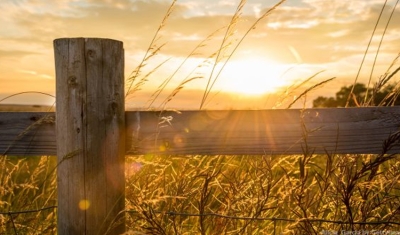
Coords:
90,127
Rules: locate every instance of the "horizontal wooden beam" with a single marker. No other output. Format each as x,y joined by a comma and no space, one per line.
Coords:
27,133
290,131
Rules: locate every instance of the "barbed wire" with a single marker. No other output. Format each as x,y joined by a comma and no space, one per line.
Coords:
172,213
11,213
28,211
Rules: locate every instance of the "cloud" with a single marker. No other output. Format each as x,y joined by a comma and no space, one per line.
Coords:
314,32
309,26
14,54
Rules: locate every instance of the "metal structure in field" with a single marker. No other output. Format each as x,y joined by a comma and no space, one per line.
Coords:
91,132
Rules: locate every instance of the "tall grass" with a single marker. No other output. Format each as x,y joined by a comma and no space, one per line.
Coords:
27,185
298,194
249,194
376,54
302,194
219,58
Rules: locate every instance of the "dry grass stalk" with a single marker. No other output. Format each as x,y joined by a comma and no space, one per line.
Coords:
301,194
151,51
226,43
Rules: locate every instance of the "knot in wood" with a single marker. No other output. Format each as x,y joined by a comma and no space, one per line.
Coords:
91,53
72,81
114,107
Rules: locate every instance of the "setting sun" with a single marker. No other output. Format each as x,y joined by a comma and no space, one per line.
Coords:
253,77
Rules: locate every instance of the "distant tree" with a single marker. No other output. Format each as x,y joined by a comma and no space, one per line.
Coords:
328,102
388,96
384,97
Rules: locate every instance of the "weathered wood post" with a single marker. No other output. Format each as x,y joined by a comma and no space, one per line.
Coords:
90,124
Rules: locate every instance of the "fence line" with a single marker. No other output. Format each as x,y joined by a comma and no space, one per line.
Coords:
172,213
27,211
93,127
11,213
231,132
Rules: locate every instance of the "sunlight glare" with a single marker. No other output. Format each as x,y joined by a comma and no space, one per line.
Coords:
255,76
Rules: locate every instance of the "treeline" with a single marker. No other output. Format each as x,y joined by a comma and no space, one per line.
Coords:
361,96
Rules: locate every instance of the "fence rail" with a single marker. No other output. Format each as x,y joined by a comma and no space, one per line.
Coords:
350,130
92,132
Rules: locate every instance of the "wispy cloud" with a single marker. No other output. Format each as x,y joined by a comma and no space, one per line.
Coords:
313,32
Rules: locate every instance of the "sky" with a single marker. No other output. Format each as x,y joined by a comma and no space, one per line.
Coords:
297,40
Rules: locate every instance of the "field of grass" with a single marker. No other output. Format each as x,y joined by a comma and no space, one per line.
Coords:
252,190
296,194
303,194
28,184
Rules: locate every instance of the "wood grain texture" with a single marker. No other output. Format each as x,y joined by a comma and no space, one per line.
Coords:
351,130
90,135
70,95
27,133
